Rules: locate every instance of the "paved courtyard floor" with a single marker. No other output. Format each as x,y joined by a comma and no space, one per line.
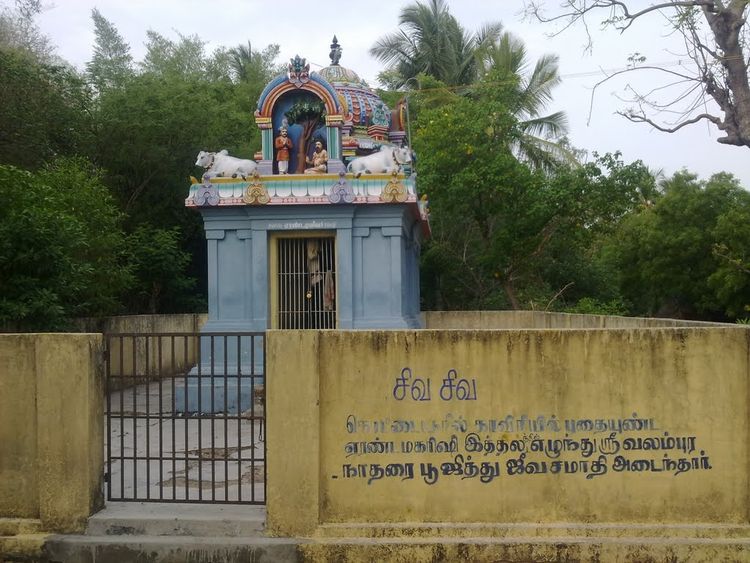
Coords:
155,453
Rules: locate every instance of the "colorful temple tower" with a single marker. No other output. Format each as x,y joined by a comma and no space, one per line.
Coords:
303,243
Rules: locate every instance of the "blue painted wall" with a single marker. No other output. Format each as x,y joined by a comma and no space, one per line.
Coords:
377,249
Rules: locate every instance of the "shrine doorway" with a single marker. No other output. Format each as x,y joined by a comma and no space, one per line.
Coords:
303,281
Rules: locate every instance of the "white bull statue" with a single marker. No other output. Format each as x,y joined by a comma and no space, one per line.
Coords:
220,164
383,162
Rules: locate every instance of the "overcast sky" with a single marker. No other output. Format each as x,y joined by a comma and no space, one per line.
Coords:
306,28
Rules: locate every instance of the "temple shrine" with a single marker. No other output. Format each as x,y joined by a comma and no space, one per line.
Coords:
320,230
326,232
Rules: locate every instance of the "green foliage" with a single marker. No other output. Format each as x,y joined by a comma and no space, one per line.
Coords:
150,132
592,306
44,111
489,212
505,65
307,110
165,57
159,265
18,32
254,67
431,41
112,63
60,246
504,235
685,255
308,113
143,129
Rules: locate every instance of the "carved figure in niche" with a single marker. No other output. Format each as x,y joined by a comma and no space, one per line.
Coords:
389,159
308,114
283,145
319,161
220,164
320,294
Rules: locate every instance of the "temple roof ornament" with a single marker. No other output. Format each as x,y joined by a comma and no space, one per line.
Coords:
362,105
335,54
298,71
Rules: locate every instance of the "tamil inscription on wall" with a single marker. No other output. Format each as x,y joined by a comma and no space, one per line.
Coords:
505,445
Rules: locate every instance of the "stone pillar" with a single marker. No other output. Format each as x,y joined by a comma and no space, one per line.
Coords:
345,281
265,124
333,138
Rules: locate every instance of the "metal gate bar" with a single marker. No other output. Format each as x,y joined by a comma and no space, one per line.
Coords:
306,280
185,417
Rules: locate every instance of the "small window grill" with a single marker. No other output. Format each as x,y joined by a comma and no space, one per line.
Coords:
306,283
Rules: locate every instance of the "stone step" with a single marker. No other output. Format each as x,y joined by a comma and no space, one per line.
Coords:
179,549
532,530
177,519
168,549
527,550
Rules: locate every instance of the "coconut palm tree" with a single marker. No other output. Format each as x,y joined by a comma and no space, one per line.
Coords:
506,62
241,60
250,65
431,41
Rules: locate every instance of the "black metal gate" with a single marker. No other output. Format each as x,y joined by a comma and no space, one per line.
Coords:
185,416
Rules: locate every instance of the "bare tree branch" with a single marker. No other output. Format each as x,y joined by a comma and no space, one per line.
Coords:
637,118
716,40
558,294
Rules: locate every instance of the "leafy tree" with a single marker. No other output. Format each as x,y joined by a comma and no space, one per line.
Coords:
184,58
60,246
159,265
433,51
44,111
505,235
731,279
431,41
492,216
18,32
149,130
715,34
677,257
597,197
111,63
